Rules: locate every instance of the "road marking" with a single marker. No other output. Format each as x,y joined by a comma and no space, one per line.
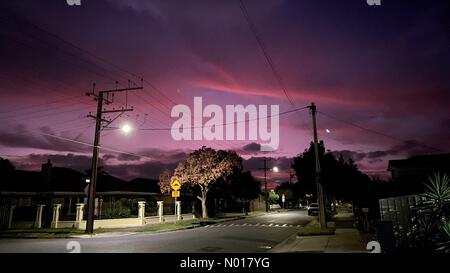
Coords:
290,225
245,224
277,225
231,225
284,225
257,224
270,225
298,225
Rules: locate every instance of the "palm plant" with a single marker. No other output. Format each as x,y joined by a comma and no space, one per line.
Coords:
430,229
444,242
438,191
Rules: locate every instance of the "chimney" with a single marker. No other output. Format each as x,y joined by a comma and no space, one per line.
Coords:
46,175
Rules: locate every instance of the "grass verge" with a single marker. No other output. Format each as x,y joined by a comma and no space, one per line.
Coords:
44,233
314,229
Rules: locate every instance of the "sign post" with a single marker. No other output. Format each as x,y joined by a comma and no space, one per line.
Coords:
176,186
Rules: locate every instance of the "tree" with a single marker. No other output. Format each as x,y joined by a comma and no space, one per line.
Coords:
340,179
244,187
7,171
204,166
164,182
287,189
273,197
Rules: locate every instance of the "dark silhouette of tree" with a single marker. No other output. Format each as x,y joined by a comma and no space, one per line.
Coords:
244,188
340,179
287,189
7,171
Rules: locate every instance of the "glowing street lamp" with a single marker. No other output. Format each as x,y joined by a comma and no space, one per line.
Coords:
275,169
126,128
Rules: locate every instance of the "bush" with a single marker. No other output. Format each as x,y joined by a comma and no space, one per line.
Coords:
118,212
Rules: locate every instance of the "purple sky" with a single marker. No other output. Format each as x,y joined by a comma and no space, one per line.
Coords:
384,68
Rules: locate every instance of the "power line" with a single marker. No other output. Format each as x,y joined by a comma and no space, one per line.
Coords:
229,123
264,51
87,61
376,132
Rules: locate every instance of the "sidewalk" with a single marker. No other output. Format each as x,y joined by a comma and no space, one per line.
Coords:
346,239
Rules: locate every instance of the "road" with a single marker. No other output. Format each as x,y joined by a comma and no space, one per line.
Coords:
252,235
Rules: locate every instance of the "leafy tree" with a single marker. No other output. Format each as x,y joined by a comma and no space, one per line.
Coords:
273,197
244,187
287,189
164,182
204,166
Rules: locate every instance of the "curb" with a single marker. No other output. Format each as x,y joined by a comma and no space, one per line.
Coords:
104,235
285,245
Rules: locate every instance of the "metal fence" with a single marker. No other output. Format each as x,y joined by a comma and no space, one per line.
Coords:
400,211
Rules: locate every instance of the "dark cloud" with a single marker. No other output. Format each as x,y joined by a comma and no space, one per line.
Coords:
145,170
20,137
80,163
107,157
166,156
252,147
407,148
378,154
346,155
128,157
413,147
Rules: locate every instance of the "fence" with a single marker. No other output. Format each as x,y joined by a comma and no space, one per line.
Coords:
399,211
11,219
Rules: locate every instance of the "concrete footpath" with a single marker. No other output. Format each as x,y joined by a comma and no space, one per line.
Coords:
346,239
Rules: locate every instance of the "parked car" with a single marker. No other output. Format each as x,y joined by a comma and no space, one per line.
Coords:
313,209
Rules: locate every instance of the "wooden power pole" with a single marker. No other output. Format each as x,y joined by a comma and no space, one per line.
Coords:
101,97
322,220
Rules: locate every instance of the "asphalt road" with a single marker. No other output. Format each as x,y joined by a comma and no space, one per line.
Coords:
252,235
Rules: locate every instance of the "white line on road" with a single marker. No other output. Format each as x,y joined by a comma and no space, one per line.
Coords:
284,225
270,225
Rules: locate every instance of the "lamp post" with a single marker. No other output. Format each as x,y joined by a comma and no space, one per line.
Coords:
265,168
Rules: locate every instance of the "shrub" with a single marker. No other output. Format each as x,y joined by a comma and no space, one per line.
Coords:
118,212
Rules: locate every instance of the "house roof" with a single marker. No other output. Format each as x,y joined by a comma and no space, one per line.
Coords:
433,160
69,180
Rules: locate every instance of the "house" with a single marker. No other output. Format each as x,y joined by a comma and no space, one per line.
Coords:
408,175
57,185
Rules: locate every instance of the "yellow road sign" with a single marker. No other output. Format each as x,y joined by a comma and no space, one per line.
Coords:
175,194
176,185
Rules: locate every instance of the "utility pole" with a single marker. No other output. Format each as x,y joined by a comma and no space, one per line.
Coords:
265,183
322,220
101,97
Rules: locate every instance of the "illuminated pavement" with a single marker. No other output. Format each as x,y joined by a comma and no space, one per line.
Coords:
252,235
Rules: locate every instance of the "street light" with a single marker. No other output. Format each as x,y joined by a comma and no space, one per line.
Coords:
126,128
265,168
